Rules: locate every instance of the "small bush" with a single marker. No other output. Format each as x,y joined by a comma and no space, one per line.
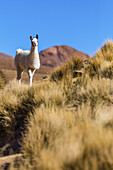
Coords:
44,127
57,74
107,71
94,67
100,64
74,63
60,139
11,110
17,102
83,149
96,91
106,52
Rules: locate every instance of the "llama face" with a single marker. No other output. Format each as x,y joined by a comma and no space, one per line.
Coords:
34,42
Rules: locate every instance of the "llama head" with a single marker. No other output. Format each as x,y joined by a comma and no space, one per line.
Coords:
34,41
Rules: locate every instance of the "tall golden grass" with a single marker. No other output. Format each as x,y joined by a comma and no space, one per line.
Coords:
3,80
59,73
68,124
102,62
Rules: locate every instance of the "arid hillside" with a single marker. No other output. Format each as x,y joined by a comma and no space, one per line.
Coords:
50,58
57,55
8,68
6,61
63,123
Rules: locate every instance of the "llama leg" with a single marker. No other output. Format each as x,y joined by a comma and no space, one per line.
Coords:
33,72
30,73
19,72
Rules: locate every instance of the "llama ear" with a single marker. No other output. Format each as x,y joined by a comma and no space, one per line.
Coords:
37,36
31,37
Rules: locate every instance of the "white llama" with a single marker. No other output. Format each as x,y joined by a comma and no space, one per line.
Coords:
27,60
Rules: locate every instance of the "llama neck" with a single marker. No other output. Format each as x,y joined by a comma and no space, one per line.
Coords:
34,60
34,50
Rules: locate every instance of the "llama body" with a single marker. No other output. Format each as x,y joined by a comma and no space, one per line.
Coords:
27,60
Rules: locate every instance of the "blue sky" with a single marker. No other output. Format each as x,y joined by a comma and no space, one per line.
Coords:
81,24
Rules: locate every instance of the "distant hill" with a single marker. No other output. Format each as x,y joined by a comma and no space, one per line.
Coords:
56,55
51,57
6,62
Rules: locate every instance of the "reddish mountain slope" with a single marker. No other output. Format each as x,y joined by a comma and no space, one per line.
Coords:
6,62
57,55
50,57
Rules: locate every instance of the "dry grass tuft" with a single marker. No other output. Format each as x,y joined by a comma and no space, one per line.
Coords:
83,150
94,91
3,80
44,127
17,102
102,63
106,52
74,63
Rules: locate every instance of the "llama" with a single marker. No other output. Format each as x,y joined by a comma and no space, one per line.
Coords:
27,60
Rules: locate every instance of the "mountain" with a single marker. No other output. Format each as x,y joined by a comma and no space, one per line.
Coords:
6,62
51,57
57,55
